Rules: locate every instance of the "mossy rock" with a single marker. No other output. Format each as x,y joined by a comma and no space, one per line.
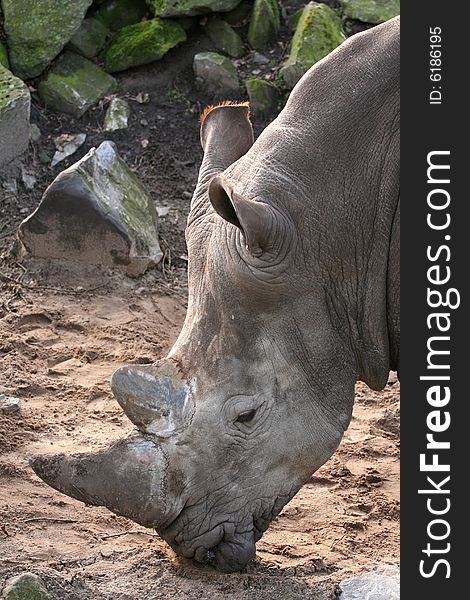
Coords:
116,14
4,56
74,84
370,11
95,212
264,24
117,115
318,33
264,96
26,586
217,73
179,8
89,39
37,31
224,38
15,105
142,43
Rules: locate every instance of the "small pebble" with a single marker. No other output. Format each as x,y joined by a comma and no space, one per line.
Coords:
9,404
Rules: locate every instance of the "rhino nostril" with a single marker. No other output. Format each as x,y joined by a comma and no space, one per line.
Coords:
210,556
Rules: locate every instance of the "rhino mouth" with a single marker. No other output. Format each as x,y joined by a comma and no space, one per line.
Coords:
223,548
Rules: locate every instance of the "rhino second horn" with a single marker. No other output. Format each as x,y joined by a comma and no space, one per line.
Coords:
154,397
128,478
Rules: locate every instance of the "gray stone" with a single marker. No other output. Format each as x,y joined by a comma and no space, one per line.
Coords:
224,38
26,586
117,115
95,212
382,584
9,404
35,132
217,73
66,145
15,105
370,11
74,84
89,39
37,31
28,178
178,8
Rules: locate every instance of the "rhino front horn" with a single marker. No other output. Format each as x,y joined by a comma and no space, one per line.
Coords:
154,397
128,478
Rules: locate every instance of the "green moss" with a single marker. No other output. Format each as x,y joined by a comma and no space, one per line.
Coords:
264,95
142,43
37,31
74,84
370,11
178,8
11,89
264,24
318,33
90,38
116,14
4,57
224,38
26,586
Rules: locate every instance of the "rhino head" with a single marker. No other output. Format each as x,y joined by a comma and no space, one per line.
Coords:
256,392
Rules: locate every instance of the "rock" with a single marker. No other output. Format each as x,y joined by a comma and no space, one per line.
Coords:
142,43
217,72
370,11
239,14
381,585
318,32
15,103
74,84
89,39
4,56
28,178
37,31
264,96
117,115
260,59
224,38
35,132
264,24
95,212
116,14
26,586
179,8
67,145
9,404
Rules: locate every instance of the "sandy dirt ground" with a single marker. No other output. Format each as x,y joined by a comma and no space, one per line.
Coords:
59,344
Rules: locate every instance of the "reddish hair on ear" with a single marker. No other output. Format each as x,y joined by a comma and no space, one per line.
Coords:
211,107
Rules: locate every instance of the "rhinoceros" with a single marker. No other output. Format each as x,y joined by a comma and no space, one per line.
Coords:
293,278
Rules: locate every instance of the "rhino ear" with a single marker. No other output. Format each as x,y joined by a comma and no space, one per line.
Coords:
255,219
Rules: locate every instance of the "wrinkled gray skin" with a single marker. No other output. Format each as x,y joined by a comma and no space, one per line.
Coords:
293,296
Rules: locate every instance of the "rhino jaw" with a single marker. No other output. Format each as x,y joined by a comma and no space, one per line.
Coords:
128,478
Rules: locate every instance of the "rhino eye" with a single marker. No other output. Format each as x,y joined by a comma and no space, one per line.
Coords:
246,417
